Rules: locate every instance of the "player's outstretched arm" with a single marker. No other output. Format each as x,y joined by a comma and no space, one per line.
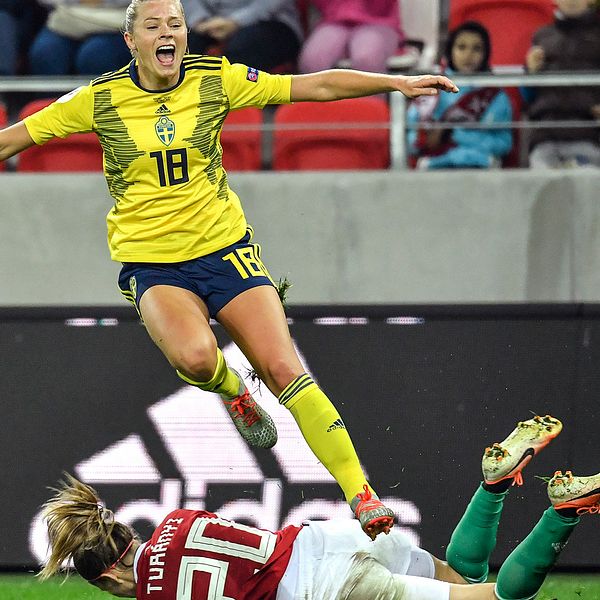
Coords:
14,139
337,84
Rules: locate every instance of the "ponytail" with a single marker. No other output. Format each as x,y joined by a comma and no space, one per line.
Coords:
82,529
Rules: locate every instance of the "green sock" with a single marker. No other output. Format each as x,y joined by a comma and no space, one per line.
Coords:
224,381
474,537
522,574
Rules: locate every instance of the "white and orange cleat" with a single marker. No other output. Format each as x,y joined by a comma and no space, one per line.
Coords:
507,459
570,491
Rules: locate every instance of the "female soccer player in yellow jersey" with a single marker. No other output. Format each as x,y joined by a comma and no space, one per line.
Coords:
180,232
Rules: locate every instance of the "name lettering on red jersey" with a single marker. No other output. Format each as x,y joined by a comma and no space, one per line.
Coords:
156,561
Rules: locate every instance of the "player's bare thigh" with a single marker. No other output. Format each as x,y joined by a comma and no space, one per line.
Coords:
256,322
476,591
444,572
460,589
178,323
368,579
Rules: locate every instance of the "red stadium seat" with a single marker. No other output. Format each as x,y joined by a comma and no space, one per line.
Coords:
511,24
78,152
348,134
3,124
241,140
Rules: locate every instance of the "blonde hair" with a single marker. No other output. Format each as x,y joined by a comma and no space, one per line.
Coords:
82,529
132,12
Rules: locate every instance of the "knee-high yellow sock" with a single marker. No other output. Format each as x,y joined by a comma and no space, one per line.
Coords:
224,381
324,432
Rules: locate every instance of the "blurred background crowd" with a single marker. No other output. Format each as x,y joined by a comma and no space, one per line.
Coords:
457,37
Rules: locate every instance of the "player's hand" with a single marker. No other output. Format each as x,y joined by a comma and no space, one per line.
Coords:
595,110
535,59
218,28
425,85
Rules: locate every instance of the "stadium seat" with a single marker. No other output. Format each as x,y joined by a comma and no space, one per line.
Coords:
241,140
78,152
3,124
348,134
511,24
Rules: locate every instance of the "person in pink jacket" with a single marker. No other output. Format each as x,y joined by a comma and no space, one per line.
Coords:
367,32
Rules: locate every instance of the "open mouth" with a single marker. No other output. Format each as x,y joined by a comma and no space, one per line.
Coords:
166,54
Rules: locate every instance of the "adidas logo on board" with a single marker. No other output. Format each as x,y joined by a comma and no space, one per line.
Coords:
193,432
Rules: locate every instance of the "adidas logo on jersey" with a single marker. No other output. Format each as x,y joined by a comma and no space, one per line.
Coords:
337,424
163,109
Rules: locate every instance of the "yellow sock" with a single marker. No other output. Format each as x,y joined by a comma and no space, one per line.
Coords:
224,381
325,433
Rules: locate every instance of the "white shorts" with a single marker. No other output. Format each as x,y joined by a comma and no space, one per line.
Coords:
323,555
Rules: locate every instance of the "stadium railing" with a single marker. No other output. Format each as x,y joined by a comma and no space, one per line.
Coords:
398,103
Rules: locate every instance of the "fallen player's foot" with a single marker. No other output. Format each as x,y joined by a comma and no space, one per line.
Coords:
507,459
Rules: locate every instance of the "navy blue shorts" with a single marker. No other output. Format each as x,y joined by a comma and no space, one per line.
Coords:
216,278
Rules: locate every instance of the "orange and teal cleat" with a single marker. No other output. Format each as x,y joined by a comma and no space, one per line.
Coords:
254,423
373,516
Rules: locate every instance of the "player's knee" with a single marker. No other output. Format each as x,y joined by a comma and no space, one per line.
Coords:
370,580
280,373
198,361
444,572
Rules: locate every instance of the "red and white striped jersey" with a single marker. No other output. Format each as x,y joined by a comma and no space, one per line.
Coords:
196,555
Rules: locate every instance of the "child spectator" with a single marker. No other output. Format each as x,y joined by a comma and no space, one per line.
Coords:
467,51
261,34
367,32
571,43
59,49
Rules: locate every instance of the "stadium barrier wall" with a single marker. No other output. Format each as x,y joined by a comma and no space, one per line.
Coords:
422,389
367,237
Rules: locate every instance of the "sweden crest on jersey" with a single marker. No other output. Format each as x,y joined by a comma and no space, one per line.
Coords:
165,130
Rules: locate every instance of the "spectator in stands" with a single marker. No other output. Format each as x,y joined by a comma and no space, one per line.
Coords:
264,35
467,51
571,43
367,32
31,17
8,33
74,42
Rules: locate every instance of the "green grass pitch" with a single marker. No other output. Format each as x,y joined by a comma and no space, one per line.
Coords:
26,587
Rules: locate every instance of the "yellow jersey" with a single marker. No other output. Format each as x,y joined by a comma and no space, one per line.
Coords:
162,153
